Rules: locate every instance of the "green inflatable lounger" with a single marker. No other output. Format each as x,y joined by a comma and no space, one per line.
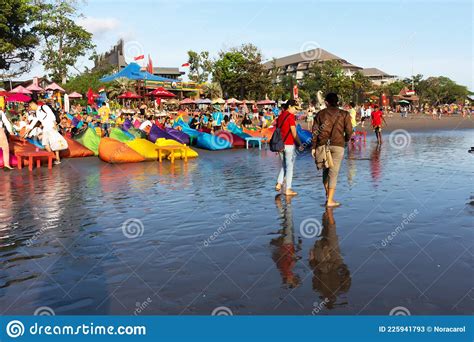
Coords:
118,134
90,139
137,133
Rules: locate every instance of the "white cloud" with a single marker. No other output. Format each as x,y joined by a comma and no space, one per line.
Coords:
99,26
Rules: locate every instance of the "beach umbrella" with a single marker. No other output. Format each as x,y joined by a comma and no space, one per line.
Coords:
233,101
172,101
265,102
203,101
129,95
75,95
187,101
34,87
161,93
20,90
218,101
54,87
19,97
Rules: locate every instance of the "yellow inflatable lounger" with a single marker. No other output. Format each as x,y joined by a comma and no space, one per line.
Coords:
144,147
169,142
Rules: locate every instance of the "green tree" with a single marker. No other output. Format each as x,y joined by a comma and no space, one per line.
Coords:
64,40
120,86
328,76
360,85
441,90
88,79
281,85
17,40
241,74
212,90
200,66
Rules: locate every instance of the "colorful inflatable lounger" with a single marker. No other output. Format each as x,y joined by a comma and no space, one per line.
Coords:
210,142
178,135
156,133
137,133
305,136
145,148
234,139
205,140
234,129
122,136
89,139
265,133
75,150
114,151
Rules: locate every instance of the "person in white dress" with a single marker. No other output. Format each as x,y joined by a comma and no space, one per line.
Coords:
5,126
51,139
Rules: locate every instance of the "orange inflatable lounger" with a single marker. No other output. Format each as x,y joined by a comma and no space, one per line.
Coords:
114,151
75,150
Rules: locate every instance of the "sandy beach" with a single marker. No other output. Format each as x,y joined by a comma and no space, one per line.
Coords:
420,123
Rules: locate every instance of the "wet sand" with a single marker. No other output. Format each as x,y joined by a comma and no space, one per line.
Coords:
93,238
420,123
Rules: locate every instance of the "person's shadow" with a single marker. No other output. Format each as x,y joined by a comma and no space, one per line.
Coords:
285,249
331,276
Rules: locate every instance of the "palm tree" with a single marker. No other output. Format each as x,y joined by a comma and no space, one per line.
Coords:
212,90
120,86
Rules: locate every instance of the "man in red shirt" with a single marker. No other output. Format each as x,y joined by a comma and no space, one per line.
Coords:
377,118
287,124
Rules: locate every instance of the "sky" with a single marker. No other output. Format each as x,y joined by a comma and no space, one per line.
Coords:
432,38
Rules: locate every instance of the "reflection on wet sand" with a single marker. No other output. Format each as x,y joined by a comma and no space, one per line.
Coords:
375,166
331,276
63,245
285,253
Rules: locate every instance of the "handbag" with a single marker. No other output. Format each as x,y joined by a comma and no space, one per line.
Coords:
323,158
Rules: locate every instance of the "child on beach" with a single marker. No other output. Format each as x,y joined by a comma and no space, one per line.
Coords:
377,118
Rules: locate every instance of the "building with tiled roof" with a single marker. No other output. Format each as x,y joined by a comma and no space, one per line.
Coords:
297,65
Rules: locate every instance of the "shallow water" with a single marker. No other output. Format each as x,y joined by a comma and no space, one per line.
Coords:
93,238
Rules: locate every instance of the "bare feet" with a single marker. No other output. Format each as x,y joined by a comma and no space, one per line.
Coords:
290,192
332,204
278,187
8,167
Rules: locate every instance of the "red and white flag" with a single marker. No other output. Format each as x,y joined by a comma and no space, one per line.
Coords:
295,92
149,66
137,58
185,65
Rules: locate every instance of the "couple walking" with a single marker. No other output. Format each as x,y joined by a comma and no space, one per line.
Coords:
332,128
